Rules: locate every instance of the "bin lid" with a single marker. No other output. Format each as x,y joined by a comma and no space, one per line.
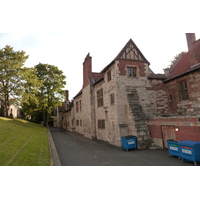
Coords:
188,142
171,140
129,136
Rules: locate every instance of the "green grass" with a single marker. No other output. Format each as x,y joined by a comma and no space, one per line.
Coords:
23,143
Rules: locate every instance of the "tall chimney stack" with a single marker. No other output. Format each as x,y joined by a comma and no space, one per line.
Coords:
87,70
191,38
67,95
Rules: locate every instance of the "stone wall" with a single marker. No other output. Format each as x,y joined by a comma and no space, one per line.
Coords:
108,111
135,103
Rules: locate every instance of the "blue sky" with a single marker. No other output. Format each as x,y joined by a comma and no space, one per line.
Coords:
62,33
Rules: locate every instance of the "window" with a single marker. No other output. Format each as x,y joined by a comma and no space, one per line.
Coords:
80,122
77,122
112,99
131,71
100,97
77,107
183,92
80,105
101,124
109,76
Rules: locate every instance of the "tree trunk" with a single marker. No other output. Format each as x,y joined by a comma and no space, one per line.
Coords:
44,117
47,119
6,105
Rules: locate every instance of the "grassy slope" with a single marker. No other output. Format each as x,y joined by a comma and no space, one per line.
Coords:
23,143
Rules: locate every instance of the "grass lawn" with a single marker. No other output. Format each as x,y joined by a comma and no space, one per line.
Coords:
23,143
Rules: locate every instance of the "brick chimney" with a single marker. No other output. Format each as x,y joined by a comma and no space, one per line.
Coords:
67,95
87,70
191,38
166,71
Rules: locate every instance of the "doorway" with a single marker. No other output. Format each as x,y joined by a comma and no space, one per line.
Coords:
168,134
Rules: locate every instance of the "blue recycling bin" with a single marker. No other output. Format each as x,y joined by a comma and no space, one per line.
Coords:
129,142
173,148
190,151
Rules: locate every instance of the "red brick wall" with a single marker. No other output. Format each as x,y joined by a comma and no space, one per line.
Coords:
189,128
155,131
187,107
123,63
188,133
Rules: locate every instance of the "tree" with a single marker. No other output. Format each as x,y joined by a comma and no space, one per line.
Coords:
176,57
51,92
11,75
30,101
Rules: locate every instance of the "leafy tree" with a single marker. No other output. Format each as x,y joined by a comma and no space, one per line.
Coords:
176,57
30,101
50,92
11,75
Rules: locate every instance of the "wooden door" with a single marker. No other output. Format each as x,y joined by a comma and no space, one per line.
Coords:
168,134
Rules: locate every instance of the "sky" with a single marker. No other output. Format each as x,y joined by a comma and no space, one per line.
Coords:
62,33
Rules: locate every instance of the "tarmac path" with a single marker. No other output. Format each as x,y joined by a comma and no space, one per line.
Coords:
75,150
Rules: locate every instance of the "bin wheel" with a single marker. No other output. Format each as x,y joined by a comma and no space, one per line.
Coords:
126,149
195,163
179,157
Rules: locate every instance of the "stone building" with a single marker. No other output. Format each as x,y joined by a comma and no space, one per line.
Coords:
178,98
13,111
127,98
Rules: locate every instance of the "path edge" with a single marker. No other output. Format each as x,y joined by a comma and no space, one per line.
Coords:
55,161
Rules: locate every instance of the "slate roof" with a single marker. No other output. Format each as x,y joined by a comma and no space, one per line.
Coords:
187,63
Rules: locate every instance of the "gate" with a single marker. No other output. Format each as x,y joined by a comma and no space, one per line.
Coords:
168,134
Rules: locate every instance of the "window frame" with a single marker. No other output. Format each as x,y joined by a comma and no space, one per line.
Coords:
109,76
183,90
132,71
77,107
112,99
100,102
80,105
101,124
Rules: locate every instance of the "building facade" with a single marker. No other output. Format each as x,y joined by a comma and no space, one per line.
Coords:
13,111
179,116
127,98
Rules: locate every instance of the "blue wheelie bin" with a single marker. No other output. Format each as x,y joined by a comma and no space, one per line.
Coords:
173,148
129,142
190,151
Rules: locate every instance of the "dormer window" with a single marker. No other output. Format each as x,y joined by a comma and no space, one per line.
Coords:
131,71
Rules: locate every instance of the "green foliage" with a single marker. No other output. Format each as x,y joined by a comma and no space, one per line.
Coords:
11,75
30,101
23,143
37,90
175,59
51,91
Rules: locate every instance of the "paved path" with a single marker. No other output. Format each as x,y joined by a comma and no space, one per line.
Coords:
75,150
